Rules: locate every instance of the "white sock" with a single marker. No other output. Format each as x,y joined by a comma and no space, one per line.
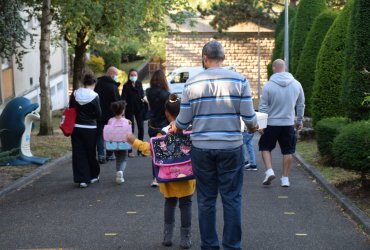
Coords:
270,171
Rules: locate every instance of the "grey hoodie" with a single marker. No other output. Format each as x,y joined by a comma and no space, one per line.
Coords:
281,96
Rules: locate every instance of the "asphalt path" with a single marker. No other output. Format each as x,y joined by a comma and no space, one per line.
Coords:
53,213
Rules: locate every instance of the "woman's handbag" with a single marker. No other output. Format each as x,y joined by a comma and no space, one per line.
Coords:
171,157
68,121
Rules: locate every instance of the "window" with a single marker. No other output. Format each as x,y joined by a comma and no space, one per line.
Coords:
181,77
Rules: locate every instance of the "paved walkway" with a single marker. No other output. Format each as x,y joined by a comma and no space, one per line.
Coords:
53,213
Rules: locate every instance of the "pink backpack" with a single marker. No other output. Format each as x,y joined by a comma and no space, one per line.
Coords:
171,157
115,134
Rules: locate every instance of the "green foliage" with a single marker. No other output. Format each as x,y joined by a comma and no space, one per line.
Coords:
278,51
326,130
307,11
305,73
12,32
352,147
96,64
357,62
111,59
327,89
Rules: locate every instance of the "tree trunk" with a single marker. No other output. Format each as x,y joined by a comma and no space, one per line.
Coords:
79,59
46,124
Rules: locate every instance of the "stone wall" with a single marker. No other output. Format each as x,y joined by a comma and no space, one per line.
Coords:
184,50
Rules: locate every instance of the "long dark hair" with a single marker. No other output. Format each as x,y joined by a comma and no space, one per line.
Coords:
159,80
172,105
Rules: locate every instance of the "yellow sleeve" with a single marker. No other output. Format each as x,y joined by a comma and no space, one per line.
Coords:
142,146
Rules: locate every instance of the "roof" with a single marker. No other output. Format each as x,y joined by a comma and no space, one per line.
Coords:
201,25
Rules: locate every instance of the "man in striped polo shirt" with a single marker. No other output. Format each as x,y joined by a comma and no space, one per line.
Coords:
213,102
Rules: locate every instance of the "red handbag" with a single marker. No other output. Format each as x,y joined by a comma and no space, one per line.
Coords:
68,121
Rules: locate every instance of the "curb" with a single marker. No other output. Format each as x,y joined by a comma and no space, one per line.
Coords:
34,175
355,213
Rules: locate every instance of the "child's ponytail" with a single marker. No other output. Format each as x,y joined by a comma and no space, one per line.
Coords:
172,105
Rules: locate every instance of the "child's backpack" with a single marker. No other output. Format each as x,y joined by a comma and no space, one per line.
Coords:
171,157
115,134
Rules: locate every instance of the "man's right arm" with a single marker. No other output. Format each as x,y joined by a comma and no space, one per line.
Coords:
185,116
263,105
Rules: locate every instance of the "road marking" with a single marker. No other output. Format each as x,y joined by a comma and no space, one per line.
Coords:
131,212
282,197
111,234
300,234
140,195
289,213
98,200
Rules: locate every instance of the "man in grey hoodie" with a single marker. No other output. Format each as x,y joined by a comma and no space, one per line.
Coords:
282,95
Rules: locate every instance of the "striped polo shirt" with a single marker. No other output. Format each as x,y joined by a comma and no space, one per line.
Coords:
213,102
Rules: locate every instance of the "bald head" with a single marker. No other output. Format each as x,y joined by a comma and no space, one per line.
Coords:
278,66
112,71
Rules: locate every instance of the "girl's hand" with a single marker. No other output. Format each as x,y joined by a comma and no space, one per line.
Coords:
131,138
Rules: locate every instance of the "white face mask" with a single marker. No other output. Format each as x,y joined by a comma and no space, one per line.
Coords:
133,78
115,78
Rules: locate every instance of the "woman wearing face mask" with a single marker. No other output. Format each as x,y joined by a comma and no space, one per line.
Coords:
133,94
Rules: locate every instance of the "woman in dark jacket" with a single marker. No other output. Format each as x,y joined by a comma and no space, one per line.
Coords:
157,96
133,94
85,166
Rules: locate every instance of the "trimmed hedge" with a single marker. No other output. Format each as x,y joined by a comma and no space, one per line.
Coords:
327,88
357,62
307,11
305,73
352,147
326,130
278,51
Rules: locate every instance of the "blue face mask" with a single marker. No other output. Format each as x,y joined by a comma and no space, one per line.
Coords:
133,78
115,78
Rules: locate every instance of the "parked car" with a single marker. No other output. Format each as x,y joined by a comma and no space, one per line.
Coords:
177,78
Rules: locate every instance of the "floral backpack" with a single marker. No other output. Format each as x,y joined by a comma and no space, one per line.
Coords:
171,157
115,134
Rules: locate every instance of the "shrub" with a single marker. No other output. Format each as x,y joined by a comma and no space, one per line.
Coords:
96,64
326,130
278,51
351,148
111,59
307,11
305,73
327,88
356,75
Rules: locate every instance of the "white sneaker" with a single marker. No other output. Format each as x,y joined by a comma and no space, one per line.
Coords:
285,181
119,177
83,185
154,183
269,176
95,180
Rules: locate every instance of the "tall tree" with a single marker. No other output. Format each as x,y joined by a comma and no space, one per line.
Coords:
356,83
46,122
307,11
12,32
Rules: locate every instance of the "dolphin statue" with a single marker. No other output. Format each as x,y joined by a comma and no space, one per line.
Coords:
16,124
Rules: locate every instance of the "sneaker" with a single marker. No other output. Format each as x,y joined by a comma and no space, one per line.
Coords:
111,158
83,185
101,160
119,177
285,181
269,177
154,183
94,180
131,155
246,164
251,167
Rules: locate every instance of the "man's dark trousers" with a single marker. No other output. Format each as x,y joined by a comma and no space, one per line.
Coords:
219,170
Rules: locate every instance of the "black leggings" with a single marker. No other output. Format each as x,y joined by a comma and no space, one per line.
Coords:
185,208
140,125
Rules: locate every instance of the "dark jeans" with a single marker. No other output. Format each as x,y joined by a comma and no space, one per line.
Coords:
140,124
153,133
185,208
84,163
100,142
219,170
